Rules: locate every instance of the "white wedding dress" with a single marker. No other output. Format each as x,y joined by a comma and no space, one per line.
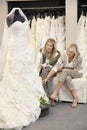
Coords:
21,86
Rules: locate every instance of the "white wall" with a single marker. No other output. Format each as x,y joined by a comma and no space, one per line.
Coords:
71,21
71,18
3,13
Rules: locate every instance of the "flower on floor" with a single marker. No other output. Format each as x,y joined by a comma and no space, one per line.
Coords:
43,101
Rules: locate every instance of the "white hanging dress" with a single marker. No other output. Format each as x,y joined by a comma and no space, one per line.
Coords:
81,39
61,34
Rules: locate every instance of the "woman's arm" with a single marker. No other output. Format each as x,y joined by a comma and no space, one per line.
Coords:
51,73
68,68
78,63
57,68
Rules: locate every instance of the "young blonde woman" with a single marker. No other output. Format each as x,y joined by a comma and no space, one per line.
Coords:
46,59
69,65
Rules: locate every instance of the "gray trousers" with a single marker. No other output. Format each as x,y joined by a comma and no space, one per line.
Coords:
67,75
48,86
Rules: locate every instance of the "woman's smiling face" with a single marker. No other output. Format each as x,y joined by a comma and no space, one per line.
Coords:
70,53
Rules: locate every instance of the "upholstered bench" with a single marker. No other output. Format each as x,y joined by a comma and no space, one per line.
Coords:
80,86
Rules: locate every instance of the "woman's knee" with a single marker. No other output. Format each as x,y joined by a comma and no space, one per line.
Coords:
64,74
68,78
69,83
65,71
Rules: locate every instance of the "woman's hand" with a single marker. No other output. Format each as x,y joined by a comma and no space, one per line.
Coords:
45,65
52,72
60,69
44,81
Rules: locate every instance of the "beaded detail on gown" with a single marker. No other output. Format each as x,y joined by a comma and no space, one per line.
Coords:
21,85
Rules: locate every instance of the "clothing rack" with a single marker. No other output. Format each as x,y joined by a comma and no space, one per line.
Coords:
82,8
44,11
83,5
57,7
39,7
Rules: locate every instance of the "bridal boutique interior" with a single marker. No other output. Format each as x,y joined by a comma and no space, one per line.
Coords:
53,19
74,20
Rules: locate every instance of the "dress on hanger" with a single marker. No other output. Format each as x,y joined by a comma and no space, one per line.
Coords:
61,33
81,41
20,85
81,38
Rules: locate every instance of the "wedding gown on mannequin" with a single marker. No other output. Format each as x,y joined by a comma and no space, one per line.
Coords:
20,86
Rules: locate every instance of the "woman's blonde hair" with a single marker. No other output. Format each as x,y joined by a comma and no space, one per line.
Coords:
54,50
74,48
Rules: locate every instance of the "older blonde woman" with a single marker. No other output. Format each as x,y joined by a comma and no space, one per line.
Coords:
69,65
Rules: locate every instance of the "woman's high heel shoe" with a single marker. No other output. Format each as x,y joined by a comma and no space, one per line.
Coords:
52,101
74,104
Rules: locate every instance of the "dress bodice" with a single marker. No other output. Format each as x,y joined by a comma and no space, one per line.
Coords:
18,29
18,38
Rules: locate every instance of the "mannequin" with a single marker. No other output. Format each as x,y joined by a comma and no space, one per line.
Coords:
20,85
14,17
